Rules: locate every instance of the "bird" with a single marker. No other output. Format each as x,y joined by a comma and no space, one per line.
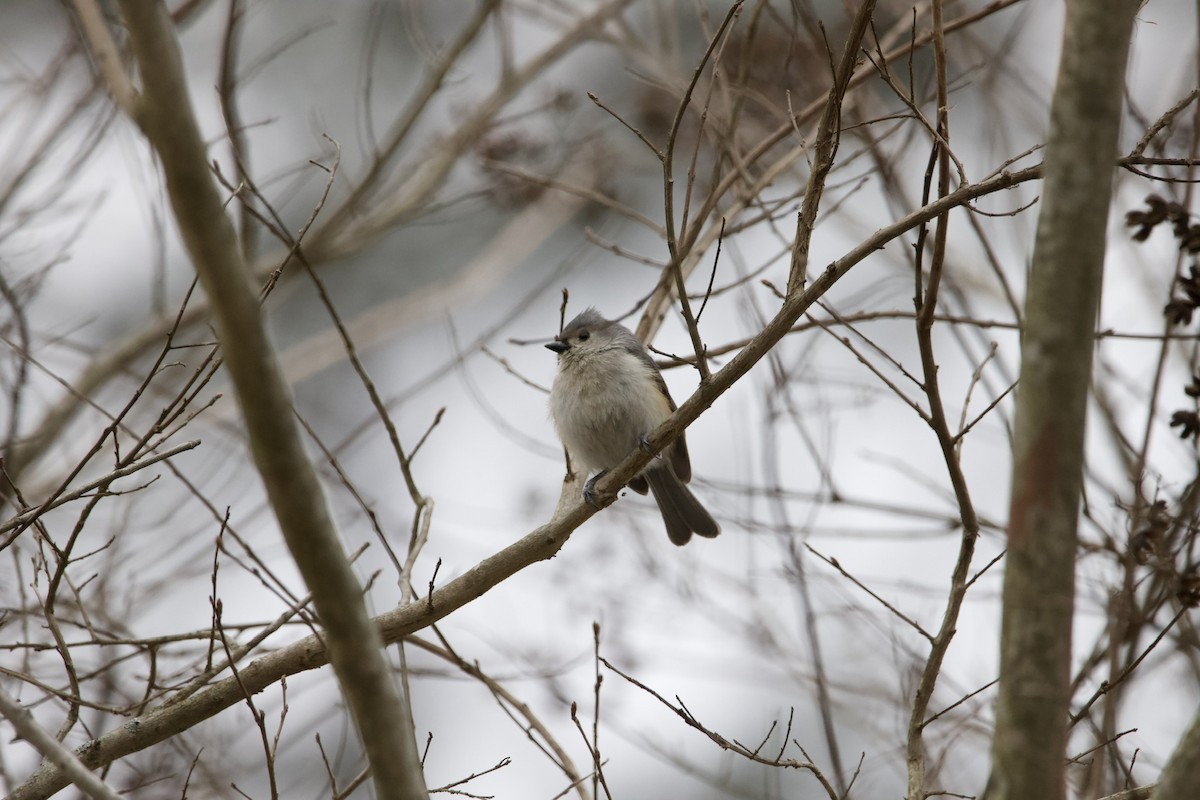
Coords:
608,396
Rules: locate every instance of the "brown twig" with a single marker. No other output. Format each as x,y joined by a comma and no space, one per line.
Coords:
688,717
926,303
833,562
539,544
825,147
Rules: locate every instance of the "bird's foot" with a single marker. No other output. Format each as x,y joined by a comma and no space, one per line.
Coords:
644,444
589,489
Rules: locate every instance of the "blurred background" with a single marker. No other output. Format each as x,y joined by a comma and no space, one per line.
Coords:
454,182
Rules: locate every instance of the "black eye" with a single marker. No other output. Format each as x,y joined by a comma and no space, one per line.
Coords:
583,337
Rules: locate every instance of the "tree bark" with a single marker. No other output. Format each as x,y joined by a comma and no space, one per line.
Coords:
1056,357
164,113
1181,776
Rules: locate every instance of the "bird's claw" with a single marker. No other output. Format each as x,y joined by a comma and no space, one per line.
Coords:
644,444
589,490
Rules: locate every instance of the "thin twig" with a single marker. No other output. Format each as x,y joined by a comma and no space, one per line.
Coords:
20,520
725,744
833,562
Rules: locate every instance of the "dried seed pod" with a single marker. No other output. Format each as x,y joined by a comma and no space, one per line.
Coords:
1188,423
1189,589
1143,547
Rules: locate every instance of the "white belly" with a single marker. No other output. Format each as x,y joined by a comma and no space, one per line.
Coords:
603,407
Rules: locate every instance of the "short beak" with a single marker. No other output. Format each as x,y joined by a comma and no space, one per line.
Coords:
558,347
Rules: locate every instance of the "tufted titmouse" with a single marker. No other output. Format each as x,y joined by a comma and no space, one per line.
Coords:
608,396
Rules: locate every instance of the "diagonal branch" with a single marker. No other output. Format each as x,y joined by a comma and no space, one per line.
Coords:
829,132
55,751
539,545
164,114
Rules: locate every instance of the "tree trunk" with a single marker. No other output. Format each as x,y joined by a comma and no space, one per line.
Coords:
1056,358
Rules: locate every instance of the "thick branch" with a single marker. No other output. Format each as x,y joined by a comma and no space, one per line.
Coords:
105,54
1181,775
541,544
54,750
165,115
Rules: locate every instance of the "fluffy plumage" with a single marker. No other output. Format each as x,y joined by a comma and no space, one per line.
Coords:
607,397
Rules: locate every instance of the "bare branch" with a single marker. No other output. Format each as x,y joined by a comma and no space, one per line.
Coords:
54,750
107,56
296,496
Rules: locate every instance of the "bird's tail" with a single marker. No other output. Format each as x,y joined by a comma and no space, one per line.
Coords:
681,511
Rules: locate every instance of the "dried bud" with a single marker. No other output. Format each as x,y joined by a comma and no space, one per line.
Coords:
1190,284
1158,518
1178,312
1188,423
1140,220
1189,240
1146,219
1176,213
1189,589
1142,547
